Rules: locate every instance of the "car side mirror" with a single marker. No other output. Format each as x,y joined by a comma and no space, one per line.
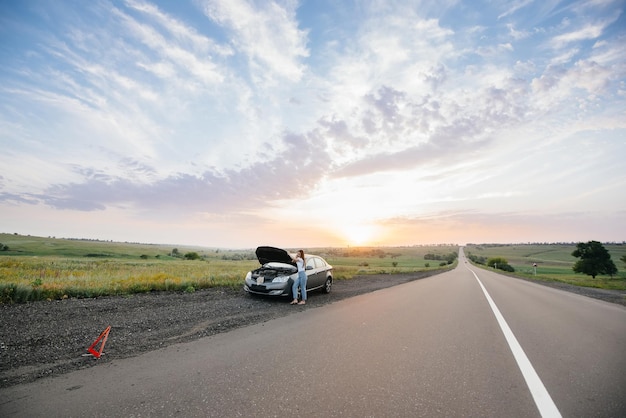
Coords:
309,267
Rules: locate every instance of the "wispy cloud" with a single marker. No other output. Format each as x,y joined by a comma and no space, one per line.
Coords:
514,7
195,60
267,34
586,33
185,34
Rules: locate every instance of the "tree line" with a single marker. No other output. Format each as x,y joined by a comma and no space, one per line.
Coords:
447,258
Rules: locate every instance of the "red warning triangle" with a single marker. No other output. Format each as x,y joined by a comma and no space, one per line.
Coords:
103,339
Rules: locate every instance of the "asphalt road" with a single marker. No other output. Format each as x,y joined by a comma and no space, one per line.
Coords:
464,343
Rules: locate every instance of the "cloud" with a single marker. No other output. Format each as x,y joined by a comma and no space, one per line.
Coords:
449,145
514,7
185,34
143,84
517,34
267,33
580,82
289,175
492,50
18,198
196,60
588,32
406,130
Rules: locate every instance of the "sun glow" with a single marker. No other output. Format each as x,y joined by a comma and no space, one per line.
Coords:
358,234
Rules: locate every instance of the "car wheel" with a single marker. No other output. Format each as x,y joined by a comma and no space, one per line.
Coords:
328,285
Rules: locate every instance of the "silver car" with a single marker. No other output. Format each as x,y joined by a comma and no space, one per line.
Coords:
277,273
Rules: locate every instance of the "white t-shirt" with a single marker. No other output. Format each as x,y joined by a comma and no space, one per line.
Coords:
300,264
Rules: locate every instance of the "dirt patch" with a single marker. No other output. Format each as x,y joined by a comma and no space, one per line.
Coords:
51,338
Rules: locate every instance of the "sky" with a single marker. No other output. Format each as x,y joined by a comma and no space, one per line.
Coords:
313,123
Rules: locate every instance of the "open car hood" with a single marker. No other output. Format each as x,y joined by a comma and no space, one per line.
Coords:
270,254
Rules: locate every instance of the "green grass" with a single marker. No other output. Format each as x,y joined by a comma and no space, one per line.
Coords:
350,262
21,245
554,263
55,277
37,268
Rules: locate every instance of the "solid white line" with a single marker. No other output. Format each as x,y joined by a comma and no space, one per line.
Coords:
542,398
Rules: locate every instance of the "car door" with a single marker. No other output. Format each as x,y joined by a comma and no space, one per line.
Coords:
321,269
312,273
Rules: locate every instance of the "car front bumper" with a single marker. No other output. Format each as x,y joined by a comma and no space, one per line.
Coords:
269,289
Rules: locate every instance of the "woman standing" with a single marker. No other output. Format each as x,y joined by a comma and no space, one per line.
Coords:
301,280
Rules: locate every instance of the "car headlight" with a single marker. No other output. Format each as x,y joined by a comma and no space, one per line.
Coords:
280,279
249,275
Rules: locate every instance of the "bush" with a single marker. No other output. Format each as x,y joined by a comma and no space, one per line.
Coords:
18,293
477,259
494,261
500,263
507,267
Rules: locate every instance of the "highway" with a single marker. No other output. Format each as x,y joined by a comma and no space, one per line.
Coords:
468,342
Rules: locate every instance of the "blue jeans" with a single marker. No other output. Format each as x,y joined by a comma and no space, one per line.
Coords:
300,281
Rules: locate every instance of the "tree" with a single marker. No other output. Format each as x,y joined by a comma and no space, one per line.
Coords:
623,259
192,256
594,259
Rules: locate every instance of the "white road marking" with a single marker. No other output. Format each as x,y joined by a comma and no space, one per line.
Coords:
542,398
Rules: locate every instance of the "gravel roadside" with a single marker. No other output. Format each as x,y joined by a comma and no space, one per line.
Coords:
50,338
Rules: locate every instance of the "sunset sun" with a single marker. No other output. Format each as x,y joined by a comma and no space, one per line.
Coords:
359,234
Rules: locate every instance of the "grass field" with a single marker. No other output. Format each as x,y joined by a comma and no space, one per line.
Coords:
37,268
554,263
